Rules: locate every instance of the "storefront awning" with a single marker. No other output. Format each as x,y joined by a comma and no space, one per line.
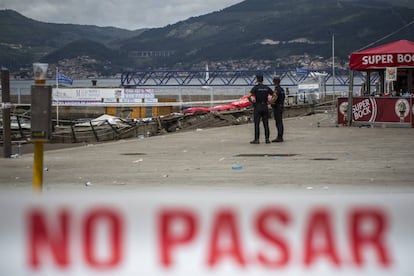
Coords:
395,54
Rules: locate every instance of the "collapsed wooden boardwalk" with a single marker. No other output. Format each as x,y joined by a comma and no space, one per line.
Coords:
107,129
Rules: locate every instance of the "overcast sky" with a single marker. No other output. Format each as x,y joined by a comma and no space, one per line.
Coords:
126,14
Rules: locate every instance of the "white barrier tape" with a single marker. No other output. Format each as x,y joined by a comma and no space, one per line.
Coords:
6,105
114,104
256,233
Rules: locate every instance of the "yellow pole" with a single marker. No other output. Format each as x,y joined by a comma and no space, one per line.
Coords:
39,72
38,166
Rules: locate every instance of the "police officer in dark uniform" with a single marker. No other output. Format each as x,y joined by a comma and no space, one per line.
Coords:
259,95
278,107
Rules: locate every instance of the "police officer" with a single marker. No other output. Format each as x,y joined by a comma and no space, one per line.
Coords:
278,107
259,96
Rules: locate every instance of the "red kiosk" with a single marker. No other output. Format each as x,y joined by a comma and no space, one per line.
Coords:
390,103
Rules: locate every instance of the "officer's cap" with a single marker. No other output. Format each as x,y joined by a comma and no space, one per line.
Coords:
276,80
259,76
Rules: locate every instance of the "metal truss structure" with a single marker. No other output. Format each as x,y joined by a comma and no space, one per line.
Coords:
141,78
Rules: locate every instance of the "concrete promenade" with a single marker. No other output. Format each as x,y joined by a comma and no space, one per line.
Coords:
312,159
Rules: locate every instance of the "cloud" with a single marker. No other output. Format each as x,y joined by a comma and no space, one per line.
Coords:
126,14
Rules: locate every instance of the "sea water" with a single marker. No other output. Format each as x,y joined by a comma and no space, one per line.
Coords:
23,87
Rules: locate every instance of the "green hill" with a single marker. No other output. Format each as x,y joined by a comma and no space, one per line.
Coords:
256,29
24,40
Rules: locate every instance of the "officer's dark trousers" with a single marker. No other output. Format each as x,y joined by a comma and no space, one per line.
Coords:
261,113
278,115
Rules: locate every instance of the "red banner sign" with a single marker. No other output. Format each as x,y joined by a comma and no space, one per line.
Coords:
376,110
396,54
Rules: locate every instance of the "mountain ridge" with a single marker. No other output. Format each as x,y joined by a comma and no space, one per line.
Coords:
249,30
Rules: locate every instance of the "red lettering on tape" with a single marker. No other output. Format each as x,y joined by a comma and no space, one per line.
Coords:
319,238
225,239
52,237
270,234
45,237
373,238
112,221
169,239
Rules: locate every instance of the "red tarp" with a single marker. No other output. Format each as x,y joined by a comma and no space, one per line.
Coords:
240,103
395,54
